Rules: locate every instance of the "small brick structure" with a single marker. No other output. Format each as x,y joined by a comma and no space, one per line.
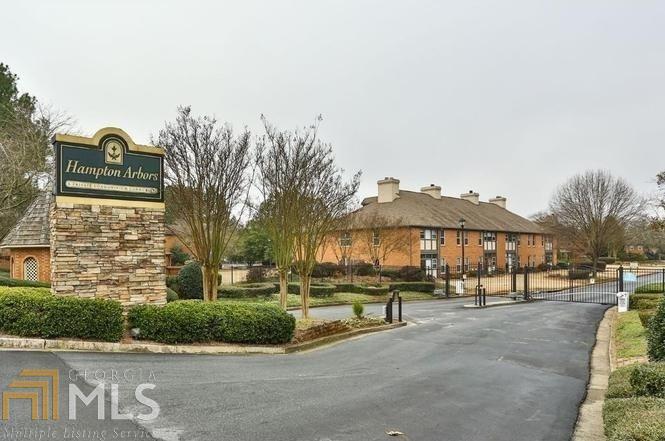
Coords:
20,259
108,252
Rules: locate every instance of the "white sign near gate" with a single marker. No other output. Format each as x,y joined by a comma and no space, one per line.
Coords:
622,298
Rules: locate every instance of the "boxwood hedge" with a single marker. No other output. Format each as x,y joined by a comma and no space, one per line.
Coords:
412,286
35,312
246,290
374,290
650,288
649,380
198,322
656,334
315,289
361,289
644,301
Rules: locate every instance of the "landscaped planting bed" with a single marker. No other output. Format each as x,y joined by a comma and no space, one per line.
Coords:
35,312
199,322
633,409
246,290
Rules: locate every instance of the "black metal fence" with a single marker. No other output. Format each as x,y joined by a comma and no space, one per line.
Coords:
569,285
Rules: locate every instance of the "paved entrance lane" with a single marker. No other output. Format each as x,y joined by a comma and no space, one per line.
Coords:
85,425
505,373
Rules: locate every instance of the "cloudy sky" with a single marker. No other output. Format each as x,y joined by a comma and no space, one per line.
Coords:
502,97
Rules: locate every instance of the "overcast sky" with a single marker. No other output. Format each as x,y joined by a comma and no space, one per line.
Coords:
502,97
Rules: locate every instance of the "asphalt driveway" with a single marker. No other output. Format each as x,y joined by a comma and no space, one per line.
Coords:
504,373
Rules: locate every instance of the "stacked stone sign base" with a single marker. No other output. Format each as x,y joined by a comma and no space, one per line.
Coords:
108,252
107,219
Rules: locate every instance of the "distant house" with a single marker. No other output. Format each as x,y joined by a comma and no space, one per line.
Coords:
433,229
28,243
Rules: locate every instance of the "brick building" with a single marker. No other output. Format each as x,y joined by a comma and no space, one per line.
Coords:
425,229
28,243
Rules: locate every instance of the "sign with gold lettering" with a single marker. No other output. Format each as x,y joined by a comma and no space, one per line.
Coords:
109,165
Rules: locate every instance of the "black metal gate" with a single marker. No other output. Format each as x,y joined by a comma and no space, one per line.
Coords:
581,284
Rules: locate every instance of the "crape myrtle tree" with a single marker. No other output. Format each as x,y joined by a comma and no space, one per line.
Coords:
208,173
304,197
324,201
282,163
380,237
593,208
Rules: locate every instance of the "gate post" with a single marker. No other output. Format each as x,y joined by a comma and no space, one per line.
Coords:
513,275
620,270
389,310
399,307
526,282
447,267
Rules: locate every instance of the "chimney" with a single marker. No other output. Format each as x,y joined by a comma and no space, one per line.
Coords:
499,200
432,190
472,197
388,189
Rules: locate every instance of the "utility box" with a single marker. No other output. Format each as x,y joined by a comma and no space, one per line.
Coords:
459,287
622,301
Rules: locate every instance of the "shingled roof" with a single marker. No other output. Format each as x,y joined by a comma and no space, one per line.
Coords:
416,209
33,228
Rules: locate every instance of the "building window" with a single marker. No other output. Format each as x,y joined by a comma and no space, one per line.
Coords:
376,238
459,238
30,269
511,241
459,264
345,240
489,240
428,263
428,240
442,236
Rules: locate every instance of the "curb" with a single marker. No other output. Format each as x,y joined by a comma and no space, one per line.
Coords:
156,348
324,341
589,426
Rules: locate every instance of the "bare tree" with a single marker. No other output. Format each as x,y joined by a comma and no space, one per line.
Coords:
343,243
324,198
283,163
26,156
594,207
208,172
381,237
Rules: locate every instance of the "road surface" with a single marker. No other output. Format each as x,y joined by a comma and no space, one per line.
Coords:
505,373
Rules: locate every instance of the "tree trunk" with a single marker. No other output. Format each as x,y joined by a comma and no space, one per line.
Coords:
283,288
305,282
210,276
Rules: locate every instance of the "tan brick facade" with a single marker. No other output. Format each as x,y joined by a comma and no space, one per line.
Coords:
18,258
108,252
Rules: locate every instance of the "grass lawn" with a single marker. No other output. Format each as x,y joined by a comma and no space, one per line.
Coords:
630,336
343,298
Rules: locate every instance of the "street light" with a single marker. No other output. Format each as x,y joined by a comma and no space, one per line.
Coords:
461,226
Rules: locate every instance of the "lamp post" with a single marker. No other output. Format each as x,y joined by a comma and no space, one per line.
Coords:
461,226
